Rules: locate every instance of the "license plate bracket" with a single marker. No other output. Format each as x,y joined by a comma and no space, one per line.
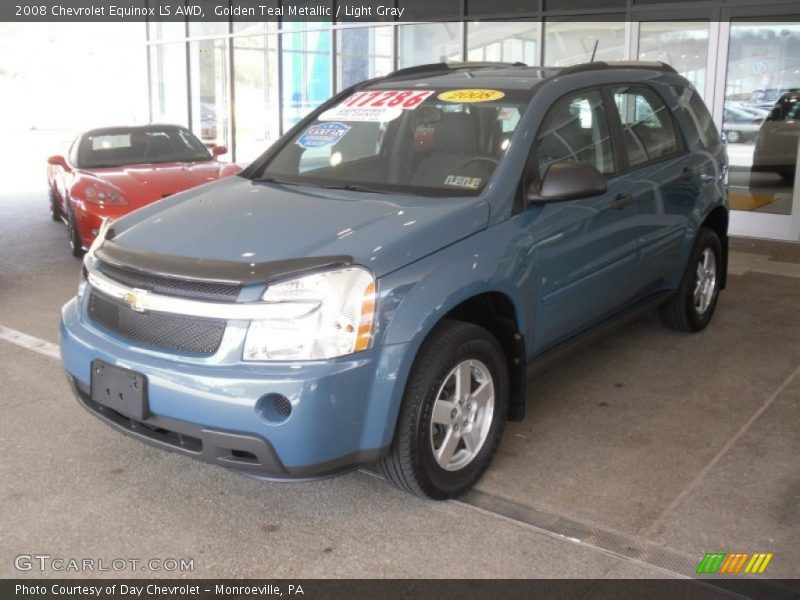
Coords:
120,389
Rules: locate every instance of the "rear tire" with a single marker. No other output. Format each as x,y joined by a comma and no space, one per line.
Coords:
693,305
74,239
453,413
55,211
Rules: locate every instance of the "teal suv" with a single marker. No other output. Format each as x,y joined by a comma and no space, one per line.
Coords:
376,286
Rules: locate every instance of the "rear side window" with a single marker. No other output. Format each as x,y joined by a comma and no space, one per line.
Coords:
702,130
649,132
576,130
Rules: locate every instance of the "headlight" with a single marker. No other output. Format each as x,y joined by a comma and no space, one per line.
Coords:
336,317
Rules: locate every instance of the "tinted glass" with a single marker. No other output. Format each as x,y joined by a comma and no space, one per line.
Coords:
702,130
426,142
115,147
576,130
648,130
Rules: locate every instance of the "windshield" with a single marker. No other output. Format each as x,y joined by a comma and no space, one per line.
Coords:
417,141
137,145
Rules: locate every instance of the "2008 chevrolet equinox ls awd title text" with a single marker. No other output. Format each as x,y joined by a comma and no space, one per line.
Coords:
375,286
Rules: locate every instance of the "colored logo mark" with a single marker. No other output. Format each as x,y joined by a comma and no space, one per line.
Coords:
736,562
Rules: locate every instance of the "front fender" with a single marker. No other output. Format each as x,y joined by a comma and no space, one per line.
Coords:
415,298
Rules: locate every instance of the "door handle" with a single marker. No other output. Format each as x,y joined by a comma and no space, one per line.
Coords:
621,202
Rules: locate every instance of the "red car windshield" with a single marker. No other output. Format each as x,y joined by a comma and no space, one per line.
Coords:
139,145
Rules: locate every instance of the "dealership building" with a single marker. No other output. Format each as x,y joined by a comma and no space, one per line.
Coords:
242,84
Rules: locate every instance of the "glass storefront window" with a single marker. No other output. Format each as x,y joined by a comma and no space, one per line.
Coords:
684,45
306,73
208,60
573,42
428,43
202,28
363,53
166,30
763,78
255,81
502,41
168,91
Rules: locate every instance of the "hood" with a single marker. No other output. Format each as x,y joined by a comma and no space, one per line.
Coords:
142,184
239,220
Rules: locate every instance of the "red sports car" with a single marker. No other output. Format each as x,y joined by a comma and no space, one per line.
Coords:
111,172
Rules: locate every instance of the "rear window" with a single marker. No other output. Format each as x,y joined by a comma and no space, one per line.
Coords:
702,131
786,109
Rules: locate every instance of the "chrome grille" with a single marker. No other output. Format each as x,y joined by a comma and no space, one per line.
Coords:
170,332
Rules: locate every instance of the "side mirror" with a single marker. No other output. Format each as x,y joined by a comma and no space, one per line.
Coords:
567,181
58,161
219,150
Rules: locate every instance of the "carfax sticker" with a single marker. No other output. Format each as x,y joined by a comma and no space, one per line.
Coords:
472,183
376,106
322,134
471,95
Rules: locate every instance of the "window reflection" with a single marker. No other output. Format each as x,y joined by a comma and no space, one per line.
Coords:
168,84
363,53
684,45
429,43
209,92
501,41
255,83
574,42
763,74
306,73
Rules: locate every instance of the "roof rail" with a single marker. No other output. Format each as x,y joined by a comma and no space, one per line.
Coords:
444,67
620,64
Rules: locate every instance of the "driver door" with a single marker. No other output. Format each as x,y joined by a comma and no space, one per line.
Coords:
585,249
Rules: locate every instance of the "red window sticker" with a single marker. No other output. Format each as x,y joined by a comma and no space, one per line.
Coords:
405,99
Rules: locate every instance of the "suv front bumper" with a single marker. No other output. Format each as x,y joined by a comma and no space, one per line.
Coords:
342,416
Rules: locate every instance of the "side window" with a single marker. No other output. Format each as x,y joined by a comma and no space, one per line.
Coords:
648,129
575,130
702,130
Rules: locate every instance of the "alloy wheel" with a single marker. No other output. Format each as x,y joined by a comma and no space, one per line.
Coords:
462,415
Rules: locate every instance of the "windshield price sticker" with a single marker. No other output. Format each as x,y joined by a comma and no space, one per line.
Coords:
376,106
471,95
405,99
322,134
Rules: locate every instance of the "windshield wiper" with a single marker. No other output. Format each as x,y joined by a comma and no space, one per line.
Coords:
354,188
271,179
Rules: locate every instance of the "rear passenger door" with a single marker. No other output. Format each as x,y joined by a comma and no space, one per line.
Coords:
658,176
585,249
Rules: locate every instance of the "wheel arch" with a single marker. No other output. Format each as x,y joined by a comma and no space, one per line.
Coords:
717,220
495,312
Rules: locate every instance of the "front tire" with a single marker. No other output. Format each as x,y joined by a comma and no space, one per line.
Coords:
453,413
55,211
74,239
693,306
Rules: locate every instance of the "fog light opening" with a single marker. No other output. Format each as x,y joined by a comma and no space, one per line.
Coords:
274,408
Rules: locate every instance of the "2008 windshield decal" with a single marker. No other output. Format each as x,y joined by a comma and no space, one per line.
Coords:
405,99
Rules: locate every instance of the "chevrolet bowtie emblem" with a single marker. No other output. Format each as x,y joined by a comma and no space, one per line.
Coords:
136,299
